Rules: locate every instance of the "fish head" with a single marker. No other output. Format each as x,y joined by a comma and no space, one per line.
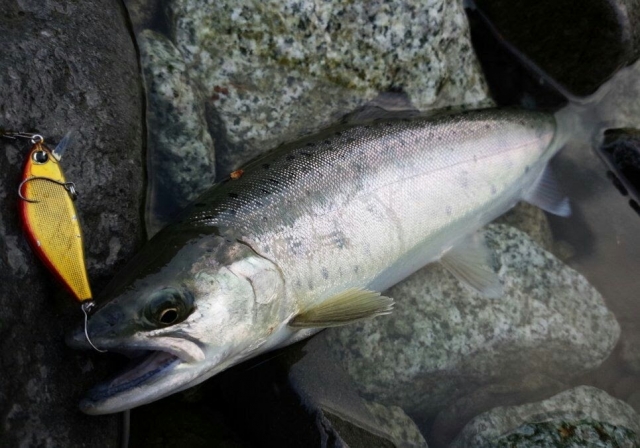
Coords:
194,305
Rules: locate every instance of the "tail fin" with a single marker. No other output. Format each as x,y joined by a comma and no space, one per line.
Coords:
613,105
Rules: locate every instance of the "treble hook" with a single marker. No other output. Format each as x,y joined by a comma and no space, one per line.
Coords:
69,186
86,309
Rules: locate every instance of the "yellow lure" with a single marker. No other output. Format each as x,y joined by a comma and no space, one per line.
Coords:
50,220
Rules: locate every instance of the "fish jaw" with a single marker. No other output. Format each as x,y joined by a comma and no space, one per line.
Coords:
155,376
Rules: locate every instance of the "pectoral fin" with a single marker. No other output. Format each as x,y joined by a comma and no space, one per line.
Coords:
349,306
546,194
469,262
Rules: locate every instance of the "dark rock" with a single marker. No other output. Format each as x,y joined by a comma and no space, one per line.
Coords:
621,152
64,65
565,41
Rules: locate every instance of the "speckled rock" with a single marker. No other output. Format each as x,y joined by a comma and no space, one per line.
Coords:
64,65
532,221
444,341
275,70
179,148
584,416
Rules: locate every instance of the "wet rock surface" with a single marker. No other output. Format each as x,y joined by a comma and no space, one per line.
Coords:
563,40
64,66
584,416
444,341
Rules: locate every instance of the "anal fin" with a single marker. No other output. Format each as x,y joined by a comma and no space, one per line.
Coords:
468,261
546,195
351,305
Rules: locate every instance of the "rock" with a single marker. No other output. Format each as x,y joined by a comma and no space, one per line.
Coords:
180,150
532,221
560,39
444,341
452,420
394,422
64,65
272,71
584,416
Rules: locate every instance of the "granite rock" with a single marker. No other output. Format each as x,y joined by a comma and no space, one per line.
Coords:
180,151
583,416
273,71
444,341
64,66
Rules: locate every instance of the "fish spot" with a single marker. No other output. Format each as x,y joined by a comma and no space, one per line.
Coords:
232,211
327,142
527,169
232,195
200,204
305,153
265,166
494,190
448,210
338,134
325,273
356,268
265,219
389,123
265,191
290,157
311,145
274,181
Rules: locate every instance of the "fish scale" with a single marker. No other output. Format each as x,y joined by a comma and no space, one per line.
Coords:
367,205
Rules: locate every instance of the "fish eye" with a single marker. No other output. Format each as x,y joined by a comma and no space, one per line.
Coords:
40,157
168,306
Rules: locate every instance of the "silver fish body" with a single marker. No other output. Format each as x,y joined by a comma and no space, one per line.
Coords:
355,208
368,205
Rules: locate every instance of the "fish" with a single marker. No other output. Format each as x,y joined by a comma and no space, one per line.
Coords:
49,217
311,234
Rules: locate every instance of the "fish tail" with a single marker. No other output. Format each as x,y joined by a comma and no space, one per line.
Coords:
587,118
583,119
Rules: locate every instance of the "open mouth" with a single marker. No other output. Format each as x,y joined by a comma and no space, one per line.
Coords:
143,369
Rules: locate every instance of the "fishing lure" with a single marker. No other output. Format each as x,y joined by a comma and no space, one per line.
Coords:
49,217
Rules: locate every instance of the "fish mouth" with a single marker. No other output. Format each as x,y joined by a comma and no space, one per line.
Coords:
142,381
156,370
